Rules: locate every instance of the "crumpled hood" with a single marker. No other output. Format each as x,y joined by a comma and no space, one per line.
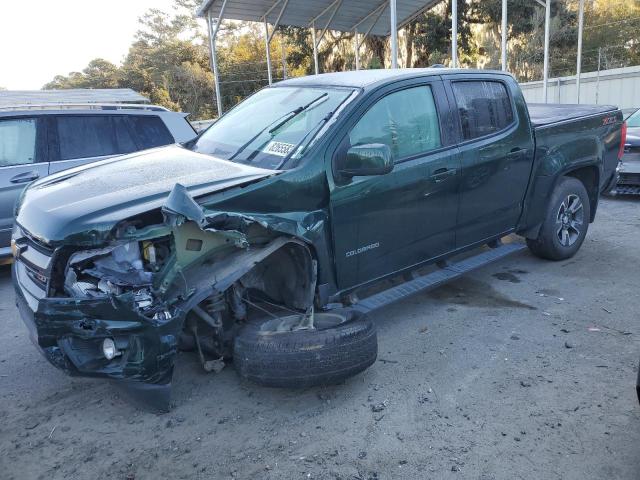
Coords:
96,196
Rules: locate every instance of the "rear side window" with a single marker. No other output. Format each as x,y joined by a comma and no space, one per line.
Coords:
484,107
406,121
150,131
17,141
86,136
124,137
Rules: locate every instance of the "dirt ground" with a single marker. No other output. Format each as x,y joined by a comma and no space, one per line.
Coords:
524,369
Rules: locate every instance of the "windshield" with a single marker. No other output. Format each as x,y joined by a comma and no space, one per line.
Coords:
271,126
634,120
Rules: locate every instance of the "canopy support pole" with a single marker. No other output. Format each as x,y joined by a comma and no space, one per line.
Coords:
315,47
358,43
316,43
268,36
213,33
579,60
545,68
454,33
284,58
503,47
394,33
356,47
268,51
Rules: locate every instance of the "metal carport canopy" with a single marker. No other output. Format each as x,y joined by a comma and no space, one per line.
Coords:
301,13
358,16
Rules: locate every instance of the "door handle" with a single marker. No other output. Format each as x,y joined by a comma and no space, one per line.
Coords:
442,174
25,177
516,153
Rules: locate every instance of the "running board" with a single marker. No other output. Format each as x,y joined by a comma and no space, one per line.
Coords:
627,190
450,271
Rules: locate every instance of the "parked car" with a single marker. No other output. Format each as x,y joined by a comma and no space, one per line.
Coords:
260,239
36,141
629,168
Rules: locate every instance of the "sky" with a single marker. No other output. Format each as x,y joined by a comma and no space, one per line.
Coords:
40,39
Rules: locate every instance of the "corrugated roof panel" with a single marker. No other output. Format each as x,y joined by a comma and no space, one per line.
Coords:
299,13
76,96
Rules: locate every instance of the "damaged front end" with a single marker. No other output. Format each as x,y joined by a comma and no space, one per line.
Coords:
190,279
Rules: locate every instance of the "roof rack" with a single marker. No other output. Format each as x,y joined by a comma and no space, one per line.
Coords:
83,106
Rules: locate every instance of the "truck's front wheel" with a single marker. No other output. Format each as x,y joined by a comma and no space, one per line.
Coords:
341,344
566,222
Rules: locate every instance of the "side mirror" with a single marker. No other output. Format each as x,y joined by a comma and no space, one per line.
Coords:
369,159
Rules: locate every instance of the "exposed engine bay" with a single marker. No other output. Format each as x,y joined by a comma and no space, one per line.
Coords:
206,274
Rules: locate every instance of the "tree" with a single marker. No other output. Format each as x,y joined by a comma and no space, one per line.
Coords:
169,58
99,73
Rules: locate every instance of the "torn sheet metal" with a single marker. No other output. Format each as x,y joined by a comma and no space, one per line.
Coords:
138,290
180,207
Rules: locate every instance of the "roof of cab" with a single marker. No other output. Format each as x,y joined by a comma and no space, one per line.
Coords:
368,78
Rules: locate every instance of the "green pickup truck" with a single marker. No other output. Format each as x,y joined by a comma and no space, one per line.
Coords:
268,238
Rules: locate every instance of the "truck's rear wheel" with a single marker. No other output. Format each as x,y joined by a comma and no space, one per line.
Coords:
566,222
342,344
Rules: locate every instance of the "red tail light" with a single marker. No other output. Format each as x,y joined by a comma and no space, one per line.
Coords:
623,139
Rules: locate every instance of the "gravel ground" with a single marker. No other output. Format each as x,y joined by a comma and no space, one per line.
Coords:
524,369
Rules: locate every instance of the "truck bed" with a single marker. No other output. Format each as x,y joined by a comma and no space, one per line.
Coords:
566,134
544,114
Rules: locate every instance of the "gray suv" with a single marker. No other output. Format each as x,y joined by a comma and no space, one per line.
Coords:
36,141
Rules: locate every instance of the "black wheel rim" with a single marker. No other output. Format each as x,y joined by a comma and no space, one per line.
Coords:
569,220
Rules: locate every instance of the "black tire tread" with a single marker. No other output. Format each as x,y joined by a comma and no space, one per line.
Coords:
545,245
306,358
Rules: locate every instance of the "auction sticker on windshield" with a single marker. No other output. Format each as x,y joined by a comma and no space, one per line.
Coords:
279,148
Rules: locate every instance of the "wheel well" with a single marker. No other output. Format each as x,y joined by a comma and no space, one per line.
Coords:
590,178
287,276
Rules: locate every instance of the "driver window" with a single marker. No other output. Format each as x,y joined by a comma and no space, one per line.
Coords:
406,121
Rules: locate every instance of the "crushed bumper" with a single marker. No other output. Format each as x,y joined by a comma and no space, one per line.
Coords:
69,333
135,287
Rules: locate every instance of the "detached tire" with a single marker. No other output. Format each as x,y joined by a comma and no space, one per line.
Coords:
343,343
566,222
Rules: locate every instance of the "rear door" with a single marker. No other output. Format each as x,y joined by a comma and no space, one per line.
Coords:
496,147
382,224
23,158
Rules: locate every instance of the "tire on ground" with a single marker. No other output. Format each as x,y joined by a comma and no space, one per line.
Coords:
326,355
549,245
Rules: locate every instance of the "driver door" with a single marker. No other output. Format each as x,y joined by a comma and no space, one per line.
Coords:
385,223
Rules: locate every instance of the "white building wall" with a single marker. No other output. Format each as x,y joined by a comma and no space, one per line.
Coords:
618,86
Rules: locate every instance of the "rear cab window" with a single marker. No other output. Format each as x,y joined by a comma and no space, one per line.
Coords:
405,120
484,107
